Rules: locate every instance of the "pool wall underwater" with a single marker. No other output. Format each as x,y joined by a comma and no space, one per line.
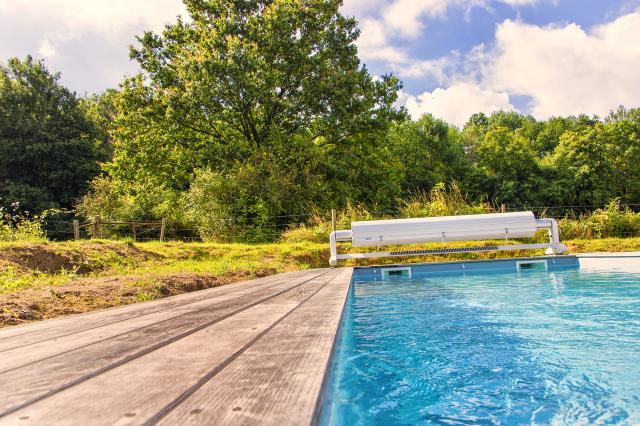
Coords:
417,270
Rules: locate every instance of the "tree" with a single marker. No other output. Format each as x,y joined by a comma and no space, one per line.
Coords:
100,110
622,133
510,166
583,160
429,152
549,136
244,69
242,81
47,151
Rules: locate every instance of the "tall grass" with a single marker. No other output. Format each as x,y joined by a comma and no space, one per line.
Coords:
609,222
17,227
440,201
613,221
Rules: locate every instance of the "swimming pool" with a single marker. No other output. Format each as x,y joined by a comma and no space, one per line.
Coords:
479,343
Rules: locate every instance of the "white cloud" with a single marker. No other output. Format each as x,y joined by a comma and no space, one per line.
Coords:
405,18
97,15
86,40
519,2
374,45
563,70
359,7
566,70
46,49
457,103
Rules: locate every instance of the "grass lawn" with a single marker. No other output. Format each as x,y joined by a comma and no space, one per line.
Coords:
45,280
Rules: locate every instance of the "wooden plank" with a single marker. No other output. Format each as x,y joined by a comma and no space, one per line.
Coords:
136,391
22,335
26,355
277,380
51,375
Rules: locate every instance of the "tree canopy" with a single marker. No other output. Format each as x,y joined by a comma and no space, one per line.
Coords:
47,145
249,116
241,87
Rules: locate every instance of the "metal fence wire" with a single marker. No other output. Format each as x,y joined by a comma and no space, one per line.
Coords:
242,228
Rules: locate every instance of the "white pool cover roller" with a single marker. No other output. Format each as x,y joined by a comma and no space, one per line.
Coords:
441,229
495,226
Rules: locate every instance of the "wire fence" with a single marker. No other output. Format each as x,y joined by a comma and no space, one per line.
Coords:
251,229
65,230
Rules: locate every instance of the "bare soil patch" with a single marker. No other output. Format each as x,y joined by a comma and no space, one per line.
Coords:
90,294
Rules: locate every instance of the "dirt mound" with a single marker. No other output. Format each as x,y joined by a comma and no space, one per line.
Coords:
90,294
39,258
51,259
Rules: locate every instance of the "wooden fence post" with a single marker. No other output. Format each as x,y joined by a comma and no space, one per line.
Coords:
334,218
503,208
163,227
133,227
76,230
96,227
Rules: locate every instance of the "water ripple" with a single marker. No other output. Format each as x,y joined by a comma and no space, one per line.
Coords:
532,348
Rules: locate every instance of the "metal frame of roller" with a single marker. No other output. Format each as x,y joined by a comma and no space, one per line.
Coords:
495,226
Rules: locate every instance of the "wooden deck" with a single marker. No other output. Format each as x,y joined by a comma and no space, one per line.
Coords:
248,353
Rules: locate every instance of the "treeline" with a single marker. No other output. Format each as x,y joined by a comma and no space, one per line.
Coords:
249,117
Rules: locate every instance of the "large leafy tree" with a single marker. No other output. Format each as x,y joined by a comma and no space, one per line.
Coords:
429,151
584,161
240,74
622,133
47,152
242,80
510,166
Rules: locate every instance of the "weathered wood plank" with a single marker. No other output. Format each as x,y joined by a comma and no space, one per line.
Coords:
136,391
32,333
27,354
44,378
278,379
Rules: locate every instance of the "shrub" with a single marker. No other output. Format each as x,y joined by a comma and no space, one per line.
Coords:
256,200
440,202
612,221
18,227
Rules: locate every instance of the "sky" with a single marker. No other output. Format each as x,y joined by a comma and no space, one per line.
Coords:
455,57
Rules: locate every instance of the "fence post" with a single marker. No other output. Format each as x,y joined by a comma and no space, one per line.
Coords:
133,226
333,219
96,227
163,227
76,229
503,208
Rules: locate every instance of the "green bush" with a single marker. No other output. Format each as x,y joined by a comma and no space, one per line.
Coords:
225,209
257,199
20,228
441,202
612,221
306,233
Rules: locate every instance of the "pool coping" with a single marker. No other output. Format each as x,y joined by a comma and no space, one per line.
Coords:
623,254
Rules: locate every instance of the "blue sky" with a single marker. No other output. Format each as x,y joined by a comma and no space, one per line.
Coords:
455,57
463,31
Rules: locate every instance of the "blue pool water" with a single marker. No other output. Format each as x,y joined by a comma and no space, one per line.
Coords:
535,347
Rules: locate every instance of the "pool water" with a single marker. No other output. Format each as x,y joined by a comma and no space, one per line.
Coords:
533,347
